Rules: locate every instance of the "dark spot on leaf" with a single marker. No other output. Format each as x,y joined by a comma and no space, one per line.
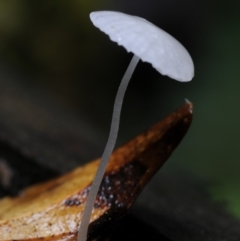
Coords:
72,202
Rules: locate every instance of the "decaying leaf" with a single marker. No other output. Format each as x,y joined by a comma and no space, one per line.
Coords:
52,210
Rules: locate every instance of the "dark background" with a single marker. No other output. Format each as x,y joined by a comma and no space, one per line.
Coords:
52,48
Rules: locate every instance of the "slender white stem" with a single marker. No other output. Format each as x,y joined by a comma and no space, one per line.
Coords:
83,229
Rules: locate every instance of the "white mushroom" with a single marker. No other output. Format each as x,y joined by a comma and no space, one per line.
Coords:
150,44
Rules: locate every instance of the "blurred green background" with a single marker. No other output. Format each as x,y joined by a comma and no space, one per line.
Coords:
52,45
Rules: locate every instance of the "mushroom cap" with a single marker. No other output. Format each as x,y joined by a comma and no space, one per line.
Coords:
150,43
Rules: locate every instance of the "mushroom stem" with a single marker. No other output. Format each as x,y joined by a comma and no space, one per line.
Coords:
83,229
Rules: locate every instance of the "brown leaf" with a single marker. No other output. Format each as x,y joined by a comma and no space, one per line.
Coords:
52,210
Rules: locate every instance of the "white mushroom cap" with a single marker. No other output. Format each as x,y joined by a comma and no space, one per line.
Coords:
150,43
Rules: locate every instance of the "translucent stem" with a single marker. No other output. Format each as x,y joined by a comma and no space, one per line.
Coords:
83,229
